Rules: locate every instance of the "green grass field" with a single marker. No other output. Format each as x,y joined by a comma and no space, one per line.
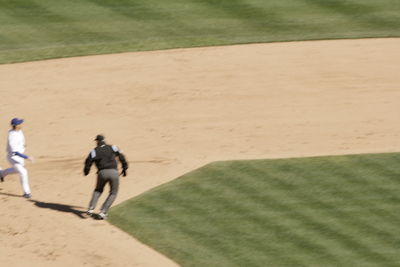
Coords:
319,211
33,30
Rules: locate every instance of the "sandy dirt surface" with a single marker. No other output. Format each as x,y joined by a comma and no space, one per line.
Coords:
174,111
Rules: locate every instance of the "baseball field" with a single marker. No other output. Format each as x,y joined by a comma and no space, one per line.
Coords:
320,117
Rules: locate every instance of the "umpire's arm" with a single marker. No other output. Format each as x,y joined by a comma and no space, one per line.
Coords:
88,163
122,159
124,163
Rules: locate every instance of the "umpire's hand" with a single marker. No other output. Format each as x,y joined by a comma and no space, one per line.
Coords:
123,173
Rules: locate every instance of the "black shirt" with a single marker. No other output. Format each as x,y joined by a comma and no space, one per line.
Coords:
104,156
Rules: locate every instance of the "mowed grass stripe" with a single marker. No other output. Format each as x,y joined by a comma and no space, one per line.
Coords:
282,229
62,28
354,197
322,211
50,29
361,13
346,226
224,212
212,239
309,221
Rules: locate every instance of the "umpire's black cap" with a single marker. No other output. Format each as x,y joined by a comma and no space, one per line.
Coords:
99,137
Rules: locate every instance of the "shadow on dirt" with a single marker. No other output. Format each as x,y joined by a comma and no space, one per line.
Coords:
61,207
10,195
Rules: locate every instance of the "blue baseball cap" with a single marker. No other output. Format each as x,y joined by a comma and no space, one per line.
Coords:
16,121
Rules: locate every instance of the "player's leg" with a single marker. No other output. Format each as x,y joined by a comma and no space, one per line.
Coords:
24,179
113,178
8,171
12,170
101,182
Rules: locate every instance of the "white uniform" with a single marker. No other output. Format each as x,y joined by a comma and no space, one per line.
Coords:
16,143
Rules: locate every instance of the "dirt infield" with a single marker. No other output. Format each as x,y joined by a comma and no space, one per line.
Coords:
173,111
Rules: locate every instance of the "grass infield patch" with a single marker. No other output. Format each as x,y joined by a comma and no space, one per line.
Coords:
34,30
319,211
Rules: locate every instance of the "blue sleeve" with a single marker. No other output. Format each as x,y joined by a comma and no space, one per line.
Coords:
21,155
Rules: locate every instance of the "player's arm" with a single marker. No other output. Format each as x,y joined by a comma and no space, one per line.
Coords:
121,158
88,162
21,155
123,161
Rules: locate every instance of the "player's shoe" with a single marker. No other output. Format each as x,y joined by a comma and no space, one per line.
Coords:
90,212
102,216
1,175
27,196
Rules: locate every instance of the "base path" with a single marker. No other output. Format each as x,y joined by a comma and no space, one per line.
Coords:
174,111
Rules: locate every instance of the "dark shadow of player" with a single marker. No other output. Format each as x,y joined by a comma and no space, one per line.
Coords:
10,195
60,207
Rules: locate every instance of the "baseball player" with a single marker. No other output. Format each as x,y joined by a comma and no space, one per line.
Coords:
16,156
104,156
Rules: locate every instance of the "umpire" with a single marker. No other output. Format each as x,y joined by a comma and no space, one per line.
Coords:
104,157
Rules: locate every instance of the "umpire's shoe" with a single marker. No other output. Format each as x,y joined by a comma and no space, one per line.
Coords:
102,216
90,212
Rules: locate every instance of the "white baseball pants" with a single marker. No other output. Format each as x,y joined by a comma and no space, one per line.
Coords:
18,167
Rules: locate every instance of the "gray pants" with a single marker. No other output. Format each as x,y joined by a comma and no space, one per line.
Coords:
110,176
